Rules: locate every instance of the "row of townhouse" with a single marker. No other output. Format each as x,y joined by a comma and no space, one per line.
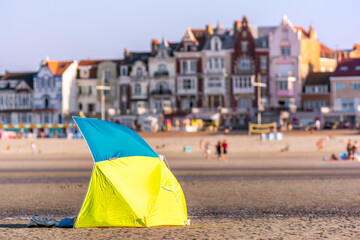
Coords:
211,70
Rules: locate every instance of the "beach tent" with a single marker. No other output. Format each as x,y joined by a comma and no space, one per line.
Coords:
130,185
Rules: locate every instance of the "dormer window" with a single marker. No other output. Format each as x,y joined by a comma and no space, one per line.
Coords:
344,68
139,72
188,48
244,46
216,44
84,73
123,70
162,54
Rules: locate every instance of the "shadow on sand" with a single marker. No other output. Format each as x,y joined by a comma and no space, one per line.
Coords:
13,226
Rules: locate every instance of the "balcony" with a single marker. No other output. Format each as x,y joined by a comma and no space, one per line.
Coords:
218,71
285,93
158,74
161,92
248,90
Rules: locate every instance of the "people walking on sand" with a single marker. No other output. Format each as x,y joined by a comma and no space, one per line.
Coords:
207,151
202,146
33,148
349,149
225,149
218,147
354,148
319,144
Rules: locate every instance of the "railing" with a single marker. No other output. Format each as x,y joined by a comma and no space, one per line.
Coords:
161,73
161,92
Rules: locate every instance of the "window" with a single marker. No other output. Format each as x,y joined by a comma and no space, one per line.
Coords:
46,103
344,68
107,75
355,86
123,90
91,107
139,72
210,63
216,63
80,90
184,67
285,70
244,46
216,46
162,54
315,105
340,87
193,66
214,83
80,107
188,48
123,70
263,63
187,84
222,63
285,51
347,104
137,89
89,90
162,68
244,64
243,82
285,34
264,80
283,85
357,68
244,102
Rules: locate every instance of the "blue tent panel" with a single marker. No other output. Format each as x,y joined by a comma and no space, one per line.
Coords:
108,140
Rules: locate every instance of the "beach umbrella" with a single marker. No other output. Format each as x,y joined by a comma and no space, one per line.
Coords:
130,185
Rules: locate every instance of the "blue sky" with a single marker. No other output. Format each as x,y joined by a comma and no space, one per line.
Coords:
81,29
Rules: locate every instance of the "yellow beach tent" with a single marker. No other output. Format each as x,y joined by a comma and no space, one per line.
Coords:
130,185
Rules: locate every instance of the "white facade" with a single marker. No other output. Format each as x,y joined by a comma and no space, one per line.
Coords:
162,70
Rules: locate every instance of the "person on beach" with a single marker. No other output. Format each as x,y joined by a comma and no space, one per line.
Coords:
319,145
225,149
207,151
33,148
202,146
349,149
354,148
218,147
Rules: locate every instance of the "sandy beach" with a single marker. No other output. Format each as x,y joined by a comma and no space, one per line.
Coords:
260,193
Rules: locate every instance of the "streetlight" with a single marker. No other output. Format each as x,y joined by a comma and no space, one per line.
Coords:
259,85
102,88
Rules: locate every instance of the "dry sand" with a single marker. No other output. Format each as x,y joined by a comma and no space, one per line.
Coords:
260,193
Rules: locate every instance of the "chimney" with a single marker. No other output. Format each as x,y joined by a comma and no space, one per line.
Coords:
236,27
312,33
209,31
126,52
154,45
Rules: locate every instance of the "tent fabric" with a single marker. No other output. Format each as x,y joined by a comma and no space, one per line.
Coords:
108,140
132,190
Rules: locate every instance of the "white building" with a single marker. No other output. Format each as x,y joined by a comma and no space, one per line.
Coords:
16,98
55,92
162,70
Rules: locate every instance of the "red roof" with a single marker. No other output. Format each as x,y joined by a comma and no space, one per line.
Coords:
304,34
58,68
347,67
326,52
89,62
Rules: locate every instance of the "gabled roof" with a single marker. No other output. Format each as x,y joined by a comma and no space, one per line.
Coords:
317,78
347,68
58,68
88,62
304,34
132,57
28,77
326,52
